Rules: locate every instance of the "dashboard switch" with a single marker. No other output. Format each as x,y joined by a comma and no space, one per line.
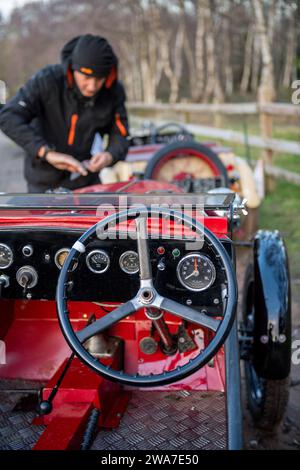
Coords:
161,265
27,277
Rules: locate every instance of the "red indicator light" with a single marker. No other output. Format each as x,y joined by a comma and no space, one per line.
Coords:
161,250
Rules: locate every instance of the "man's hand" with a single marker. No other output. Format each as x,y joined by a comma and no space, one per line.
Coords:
99,161
62,161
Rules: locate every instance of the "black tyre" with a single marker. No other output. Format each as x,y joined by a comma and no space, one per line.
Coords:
267,398
189,148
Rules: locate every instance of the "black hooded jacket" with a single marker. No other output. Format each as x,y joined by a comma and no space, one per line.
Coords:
49,109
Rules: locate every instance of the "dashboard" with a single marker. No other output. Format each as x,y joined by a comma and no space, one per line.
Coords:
31,259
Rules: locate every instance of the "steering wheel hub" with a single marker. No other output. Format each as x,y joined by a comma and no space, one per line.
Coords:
146,296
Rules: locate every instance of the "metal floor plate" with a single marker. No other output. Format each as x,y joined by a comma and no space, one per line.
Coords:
169,421
153,421
16,430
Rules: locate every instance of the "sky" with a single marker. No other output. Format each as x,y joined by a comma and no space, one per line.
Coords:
6,6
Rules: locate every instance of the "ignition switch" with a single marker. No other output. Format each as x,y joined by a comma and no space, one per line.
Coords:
27,277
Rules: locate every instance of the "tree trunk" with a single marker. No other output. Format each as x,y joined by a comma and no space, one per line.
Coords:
267,83
199,54
188,52
227,59
266,91
213,87
244,87
290,54
256,62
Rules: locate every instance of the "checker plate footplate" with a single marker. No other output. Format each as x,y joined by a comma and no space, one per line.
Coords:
16,430
169,421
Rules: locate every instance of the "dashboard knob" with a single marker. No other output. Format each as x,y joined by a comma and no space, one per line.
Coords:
27,250
27,277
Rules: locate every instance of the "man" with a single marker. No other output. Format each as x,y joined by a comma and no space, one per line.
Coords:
58,113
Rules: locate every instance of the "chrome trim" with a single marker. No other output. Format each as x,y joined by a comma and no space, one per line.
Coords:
11,254
121,259
200,255
87,260
59,252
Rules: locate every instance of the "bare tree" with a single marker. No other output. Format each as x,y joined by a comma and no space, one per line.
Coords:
267,83
247,61
200,49
213,87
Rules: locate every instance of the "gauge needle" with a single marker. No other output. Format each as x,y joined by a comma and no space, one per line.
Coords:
194,273
195,264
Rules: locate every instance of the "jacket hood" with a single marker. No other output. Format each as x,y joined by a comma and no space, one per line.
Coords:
91,55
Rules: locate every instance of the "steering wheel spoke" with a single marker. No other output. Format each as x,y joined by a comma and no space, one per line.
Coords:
143,249
189,314
105,322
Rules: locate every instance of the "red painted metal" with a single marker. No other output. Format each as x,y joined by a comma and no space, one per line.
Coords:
218,225
80,391
66,429
35,330
137,187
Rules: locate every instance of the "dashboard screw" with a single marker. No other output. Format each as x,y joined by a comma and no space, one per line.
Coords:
264,339
189,302
47,257
282,338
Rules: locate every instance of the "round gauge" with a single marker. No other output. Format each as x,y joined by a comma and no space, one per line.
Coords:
129,262
196,272
61,256
98,261
6,256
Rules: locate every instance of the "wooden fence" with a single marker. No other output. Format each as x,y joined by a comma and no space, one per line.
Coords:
183,113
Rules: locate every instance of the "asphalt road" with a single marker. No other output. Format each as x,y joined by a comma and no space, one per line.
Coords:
288,434
11,169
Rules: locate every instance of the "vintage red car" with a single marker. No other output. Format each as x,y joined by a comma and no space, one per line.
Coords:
119,317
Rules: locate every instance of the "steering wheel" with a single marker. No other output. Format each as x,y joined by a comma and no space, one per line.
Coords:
147,297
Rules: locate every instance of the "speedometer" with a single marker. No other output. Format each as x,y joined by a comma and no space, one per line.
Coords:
98,261
196,272
6,256
129,262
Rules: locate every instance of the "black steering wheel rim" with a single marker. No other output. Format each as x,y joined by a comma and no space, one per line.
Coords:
164,378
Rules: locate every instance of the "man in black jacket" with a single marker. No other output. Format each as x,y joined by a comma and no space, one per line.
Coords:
59,112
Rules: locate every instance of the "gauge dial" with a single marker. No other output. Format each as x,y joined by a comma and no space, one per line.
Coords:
129,262
196,272
61,256
6,256
98,261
